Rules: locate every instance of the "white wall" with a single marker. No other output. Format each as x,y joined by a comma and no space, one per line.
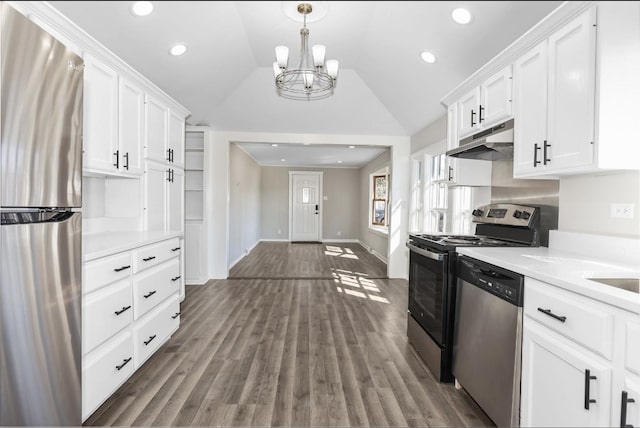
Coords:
340,212
218,198
432,134
244,204
585,203
373,240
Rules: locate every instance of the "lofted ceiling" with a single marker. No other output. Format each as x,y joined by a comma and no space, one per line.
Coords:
320,155
225,79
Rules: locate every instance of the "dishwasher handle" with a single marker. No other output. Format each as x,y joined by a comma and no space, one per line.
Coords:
426,253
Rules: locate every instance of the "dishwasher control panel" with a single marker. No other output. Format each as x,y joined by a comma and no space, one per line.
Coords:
500,282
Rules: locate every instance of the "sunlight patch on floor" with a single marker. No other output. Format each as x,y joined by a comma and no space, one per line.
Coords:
353,284
347,253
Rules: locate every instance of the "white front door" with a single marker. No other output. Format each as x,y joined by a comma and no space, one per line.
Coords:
305,207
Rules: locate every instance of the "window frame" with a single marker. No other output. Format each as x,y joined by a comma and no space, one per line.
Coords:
382,228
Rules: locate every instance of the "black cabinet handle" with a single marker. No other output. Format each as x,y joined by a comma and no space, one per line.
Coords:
176,315
480,118
552,315
450,173
175,249
172,175
151,293
169,175
117,155
171,155
146,342
124,363
587,388
535,155
168,155
623,410
544,152
126,158
124,309
473,113
122,268
148,258
176,278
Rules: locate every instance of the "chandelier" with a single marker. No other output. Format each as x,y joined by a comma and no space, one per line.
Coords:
312,79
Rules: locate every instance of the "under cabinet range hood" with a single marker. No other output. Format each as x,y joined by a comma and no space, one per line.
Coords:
495,143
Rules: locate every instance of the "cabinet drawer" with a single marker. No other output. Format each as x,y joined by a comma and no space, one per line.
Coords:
586,321
154,285
104,370
104,271
106,312
632,347
152,330
151,255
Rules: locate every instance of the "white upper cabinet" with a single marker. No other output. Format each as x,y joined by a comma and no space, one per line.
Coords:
155,126
572,58
131,129
530,108
156,177
176,139
452,127
100,116
486,105
175,201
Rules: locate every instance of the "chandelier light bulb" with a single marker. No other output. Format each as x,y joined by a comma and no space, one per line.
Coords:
318,55
277,71
332,68
282,56
308,79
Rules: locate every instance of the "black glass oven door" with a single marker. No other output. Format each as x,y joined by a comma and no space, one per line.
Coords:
428,291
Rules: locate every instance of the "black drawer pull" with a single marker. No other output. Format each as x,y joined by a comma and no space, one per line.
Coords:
587,388
535,155
151,293
124,363
146,342
176,315
623,409
124,309
122,268
175,249
552,315
176,278
148,258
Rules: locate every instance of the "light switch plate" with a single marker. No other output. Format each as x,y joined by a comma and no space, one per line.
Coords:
622,210
324,198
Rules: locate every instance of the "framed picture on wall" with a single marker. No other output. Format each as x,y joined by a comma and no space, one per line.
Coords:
379,212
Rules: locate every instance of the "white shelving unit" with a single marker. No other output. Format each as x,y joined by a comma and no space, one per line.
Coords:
196,141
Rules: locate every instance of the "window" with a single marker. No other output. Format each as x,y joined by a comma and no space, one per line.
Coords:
379,200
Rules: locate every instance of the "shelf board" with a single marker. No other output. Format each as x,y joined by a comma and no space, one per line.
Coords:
194,219
194,150
194,190
194,169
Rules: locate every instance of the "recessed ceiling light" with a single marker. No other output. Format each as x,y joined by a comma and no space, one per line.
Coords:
339,161
178,49
142,8
428,57
274,145
352,147
282,160
461,16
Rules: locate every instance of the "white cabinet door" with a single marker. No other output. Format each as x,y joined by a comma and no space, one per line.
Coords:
100,116
468,113
530,109
555,385
131,129
155,181
176,139
452,129
495,99
468,172
194,252
155,126
572,56
175,201
630,406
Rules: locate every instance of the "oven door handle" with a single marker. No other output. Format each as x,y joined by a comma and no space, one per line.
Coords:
434,256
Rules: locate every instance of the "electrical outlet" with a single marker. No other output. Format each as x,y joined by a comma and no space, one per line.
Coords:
279,232
622,210
339,233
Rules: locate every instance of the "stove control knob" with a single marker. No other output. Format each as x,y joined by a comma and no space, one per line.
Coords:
525,215
477,213
517,214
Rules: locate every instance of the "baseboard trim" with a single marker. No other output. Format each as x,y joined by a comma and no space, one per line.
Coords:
374,252
274,240
341,241
244,255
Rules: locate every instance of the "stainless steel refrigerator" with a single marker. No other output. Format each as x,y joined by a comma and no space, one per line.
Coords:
40,233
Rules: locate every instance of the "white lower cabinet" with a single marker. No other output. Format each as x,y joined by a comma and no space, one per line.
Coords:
104,370
131,306
580,360
561,385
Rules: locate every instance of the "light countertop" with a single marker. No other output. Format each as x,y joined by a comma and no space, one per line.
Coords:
98,245
564,269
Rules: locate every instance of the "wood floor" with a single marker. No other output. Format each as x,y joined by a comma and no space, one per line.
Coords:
283,352
285,260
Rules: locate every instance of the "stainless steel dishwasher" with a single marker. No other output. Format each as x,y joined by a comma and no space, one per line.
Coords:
488,338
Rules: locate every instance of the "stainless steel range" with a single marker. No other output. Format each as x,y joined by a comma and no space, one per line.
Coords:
432,276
